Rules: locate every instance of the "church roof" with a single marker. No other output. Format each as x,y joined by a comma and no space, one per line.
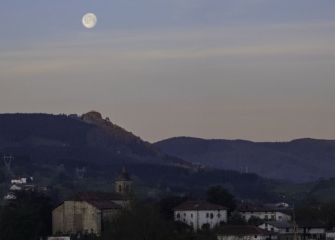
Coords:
198,205
105,204
98,196
123,176
100,200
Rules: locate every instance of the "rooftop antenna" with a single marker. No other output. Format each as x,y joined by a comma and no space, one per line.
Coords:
7,160
80,173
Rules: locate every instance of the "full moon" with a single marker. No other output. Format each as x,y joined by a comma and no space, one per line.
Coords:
89,20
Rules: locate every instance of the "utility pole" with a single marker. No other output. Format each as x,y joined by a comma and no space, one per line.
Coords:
295,233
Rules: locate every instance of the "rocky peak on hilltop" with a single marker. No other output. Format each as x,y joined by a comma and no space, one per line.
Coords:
93,117
107,131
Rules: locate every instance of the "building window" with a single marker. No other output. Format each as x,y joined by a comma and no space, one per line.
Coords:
191,215
178,215
207,215
287,230
255,236
184,214
219,215
211,215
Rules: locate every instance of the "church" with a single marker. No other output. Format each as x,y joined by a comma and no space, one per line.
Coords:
87,212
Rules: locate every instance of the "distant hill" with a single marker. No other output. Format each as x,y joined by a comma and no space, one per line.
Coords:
86,138
71,153
298,160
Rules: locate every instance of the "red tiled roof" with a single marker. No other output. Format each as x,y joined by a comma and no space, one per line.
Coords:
100,200
255,208
199,205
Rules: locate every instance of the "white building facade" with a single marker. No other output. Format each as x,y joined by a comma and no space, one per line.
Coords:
330,235
280,227
298,231
267,215
198,214
244,232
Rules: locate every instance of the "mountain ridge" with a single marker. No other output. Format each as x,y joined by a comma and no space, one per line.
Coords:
304,159
54,148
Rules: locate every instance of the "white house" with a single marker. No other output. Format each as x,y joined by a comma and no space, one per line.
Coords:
302,231
10,196
244,232
15,187
280,227
200,214
19,181
59,238
330,234
311,230
267,214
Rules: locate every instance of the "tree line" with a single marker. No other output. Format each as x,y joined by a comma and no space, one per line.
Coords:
28,217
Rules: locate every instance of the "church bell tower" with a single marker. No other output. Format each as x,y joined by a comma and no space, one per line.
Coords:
123,183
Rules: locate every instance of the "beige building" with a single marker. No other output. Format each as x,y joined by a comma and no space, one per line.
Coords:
88,212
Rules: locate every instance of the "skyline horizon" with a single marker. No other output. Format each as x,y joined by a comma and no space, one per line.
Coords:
153,141
242,69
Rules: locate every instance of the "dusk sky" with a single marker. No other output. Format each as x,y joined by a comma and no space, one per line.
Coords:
261,70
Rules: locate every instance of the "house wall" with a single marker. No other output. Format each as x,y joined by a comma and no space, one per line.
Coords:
58,220
282,217
122,203
330,235
312,233
273,216
289,236
247,237
76,216
312,230
269,227
197,218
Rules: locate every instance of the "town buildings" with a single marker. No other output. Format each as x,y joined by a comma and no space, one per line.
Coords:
265,213
301,230
244,232
22,184
88,212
